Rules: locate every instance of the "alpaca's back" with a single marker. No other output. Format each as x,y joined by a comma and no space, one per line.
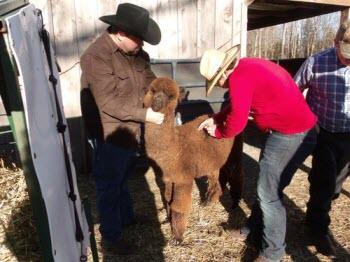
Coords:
207,153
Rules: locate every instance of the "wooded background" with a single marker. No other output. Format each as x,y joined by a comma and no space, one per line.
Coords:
299,39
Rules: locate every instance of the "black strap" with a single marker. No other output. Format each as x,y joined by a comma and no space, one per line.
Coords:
61,128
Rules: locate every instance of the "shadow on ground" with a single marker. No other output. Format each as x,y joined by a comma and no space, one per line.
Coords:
146,234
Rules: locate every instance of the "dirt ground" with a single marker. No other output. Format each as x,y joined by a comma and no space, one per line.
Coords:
205,237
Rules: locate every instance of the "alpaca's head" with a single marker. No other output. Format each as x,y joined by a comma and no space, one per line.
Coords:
162,95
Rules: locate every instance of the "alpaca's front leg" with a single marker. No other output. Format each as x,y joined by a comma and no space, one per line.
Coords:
214,189
180,208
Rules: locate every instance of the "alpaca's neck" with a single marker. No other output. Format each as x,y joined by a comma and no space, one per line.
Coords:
160,137
169,119
165,129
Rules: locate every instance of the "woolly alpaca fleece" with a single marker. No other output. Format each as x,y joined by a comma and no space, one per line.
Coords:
182,154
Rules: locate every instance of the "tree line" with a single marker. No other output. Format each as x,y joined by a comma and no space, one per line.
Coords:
296,39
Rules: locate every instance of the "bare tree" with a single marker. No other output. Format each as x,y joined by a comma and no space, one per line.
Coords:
294,40
283,41
259,46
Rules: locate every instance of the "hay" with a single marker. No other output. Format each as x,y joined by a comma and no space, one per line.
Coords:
18,237
205,238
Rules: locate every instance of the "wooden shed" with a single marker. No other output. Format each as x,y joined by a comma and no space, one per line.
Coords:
188,28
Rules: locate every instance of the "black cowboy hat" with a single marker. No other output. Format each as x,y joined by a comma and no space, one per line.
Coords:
135,20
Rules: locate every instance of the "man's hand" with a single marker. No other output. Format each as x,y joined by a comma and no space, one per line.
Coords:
209,125
211,130
206,123
154,117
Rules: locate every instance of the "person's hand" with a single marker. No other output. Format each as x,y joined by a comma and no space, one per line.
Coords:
154,117
206,123
211,129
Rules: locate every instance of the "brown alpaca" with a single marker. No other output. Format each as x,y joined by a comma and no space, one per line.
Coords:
182,153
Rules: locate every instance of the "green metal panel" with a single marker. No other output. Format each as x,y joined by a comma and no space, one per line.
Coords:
10,94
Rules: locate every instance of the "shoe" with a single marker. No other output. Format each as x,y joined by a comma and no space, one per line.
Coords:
119,248
237,234
324,245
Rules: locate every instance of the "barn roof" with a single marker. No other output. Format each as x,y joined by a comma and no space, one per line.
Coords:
263,13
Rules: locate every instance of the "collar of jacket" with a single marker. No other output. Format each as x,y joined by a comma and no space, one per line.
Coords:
115,48
110,43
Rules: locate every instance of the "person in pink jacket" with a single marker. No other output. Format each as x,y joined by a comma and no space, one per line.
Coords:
265,91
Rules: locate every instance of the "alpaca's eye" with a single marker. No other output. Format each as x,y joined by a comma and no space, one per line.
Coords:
171,97
152,90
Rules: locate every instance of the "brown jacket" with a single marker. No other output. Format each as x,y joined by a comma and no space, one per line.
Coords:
112,91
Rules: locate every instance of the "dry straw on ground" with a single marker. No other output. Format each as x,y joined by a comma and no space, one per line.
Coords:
18,237
205,238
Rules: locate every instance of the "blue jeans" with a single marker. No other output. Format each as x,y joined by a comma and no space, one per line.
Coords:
112,167
279,159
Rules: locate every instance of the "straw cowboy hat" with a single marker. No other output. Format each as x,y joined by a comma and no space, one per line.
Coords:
214,63
135,20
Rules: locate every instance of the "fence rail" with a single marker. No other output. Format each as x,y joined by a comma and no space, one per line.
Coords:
174,63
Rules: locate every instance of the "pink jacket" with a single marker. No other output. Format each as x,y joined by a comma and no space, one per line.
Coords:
266,91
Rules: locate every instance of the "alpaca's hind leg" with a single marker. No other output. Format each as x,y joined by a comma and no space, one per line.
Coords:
224,176
168,193
214,189
180,208
236,175
236,186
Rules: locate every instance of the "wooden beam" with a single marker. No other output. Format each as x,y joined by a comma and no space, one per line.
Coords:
263,6
344,15
263,13
327,2
247,2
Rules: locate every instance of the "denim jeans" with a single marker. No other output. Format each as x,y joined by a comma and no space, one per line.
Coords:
279,159
112,167
330,168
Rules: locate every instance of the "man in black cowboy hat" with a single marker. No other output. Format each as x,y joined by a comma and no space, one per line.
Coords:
115,73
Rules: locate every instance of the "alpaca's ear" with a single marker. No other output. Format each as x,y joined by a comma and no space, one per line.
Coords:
183,94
